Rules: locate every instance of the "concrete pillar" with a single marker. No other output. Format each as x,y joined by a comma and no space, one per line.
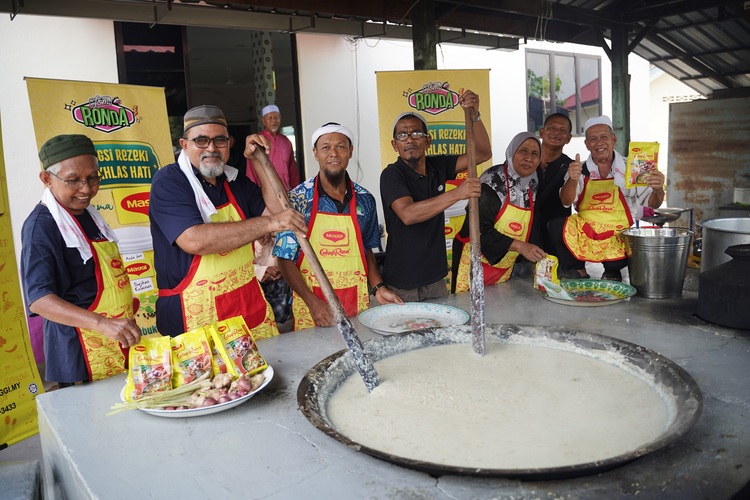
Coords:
424,35
265,84
620,88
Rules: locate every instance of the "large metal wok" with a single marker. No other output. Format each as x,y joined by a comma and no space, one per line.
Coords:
681,393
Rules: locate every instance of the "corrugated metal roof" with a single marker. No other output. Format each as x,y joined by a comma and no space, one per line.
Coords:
703,43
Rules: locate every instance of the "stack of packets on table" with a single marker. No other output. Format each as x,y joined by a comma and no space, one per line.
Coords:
163,363
643,160
546,280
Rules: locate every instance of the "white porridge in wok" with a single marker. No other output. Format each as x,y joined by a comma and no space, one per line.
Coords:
518,407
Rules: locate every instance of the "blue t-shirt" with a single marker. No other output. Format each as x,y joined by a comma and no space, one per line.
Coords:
49,267
172,210
300,199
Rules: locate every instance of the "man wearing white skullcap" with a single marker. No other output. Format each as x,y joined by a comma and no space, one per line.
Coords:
604,206
282,152
414,200
342,228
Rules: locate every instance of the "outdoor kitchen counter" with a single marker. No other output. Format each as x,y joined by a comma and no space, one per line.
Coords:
265,448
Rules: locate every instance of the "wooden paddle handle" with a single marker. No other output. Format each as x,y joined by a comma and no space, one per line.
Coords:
471,157
272,177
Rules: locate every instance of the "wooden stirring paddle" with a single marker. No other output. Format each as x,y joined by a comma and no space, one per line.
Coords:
476,285
364,366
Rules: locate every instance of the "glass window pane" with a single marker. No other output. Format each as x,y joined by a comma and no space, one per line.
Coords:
565,84
538,90
590,93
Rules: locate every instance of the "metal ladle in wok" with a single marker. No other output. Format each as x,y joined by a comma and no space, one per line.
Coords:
364,366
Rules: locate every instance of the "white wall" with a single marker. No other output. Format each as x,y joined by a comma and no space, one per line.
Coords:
336,74
42,47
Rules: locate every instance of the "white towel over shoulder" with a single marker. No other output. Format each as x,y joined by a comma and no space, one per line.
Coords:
69,228
205,206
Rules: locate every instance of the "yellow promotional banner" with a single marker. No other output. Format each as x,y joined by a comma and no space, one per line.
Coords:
130,130
19,379
434,95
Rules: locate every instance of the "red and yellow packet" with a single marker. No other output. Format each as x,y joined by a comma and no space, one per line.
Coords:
238,341
643,160
191,357
150,367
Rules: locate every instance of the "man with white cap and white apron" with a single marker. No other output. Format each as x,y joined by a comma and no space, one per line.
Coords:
342,229
605,208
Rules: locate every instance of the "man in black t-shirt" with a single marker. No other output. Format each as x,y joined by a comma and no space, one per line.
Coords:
414,199
555,134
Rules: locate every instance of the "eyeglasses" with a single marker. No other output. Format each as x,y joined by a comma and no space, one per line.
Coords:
202,142
402,136
76,184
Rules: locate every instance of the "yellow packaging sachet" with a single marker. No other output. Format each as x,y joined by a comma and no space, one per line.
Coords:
546,280
149,367
643,159
238,341
191,357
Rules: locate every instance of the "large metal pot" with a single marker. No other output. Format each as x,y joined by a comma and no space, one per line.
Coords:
718,235
724,291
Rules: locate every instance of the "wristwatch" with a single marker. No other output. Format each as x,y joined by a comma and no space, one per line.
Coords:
377,287
478,117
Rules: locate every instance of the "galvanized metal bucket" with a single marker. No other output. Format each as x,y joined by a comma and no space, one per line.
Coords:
658,260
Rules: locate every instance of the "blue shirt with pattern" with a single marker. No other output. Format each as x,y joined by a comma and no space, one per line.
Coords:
300,199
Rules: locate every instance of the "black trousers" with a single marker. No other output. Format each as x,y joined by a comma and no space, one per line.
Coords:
566,259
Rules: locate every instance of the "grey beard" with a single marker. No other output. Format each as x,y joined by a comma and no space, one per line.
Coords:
211,172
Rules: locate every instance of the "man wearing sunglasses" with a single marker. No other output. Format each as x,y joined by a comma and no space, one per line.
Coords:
204,220
72,271
414,199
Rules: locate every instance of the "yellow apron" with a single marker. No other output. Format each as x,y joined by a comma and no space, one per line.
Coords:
221,286
337,239
593,234
511,220
114,299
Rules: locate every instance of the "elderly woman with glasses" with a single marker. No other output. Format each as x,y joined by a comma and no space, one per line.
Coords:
414,195
72,271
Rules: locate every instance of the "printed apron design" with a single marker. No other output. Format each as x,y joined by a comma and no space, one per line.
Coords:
593,234
221,286
338,242
114,299
511,220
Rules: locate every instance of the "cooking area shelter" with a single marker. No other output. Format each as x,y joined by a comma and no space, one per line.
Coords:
704,44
